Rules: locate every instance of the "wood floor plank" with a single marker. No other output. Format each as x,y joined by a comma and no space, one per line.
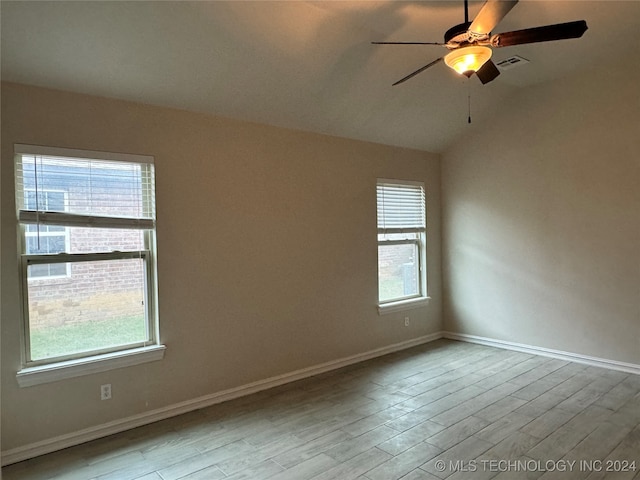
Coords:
355,466
409,438
500,408
457,432
311,449
503,427
540,405
580,400
588,420
373,421
593,449
535,389
186,467
548,422
419,474
264,469
259,455
441,405
572,385
514,446
628,415
474,405
403,463
307,469
618,395
513,372
538,372
557,444
467,450
208,473
151,476
348,449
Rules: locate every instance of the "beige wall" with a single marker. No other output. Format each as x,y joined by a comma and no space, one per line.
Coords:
267,254
541,219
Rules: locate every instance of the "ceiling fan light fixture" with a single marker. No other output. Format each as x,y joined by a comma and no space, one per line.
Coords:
467,60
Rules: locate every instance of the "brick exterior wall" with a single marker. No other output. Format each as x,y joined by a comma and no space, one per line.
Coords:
92,291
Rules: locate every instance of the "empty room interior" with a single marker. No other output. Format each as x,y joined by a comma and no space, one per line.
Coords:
304,240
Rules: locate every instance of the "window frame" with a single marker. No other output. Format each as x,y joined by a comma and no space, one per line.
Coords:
69,365
421,297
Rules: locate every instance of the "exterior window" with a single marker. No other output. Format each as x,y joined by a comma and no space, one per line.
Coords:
401,241
87,223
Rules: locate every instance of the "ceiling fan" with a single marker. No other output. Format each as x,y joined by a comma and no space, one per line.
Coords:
470,43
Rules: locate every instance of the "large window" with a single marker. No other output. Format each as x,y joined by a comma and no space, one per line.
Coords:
401,241
87,224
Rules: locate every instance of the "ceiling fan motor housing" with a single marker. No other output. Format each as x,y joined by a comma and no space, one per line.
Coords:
457,34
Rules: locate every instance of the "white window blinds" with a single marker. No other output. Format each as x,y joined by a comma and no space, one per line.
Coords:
100,189
401,207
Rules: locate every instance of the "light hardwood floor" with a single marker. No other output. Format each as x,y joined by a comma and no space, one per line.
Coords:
442,410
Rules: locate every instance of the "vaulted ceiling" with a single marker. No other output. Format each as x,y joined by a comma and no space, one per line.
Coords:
300,64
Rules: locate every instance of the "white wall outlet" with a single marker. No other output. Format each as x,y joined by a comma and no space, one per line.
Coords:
406,321
105,391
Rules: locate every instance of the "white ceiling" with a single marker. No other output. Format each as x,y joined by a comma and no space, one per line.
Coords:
299,64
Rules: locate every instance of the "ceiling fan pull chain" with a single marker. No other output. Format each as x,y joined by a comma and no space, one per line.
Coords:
469,101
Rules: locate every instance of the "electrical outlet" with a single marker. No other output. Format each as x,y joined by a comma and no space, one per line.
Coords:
105,391
406,321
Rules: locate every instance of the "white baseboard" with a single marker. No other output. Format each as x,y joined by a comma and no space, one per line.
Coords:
75,438
546,352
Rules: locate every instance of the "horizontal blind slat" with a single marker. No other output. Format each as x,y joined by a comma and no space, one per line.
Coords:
21,149
74,220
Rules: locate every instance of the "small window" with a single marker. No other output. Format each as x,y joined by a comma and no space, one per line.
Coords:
87,224
401,241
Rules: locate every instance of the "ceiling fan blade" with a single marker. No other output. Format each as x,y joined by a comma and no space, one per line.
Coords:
488,72
560,31
407,43
420,70
490,15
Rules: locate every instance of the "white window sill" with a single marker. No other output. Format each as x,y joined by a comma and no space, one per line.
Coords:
28,377
386,308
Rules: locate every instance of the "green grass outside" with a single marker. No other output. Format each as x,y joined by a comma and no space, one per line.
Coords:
47,342
389,288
